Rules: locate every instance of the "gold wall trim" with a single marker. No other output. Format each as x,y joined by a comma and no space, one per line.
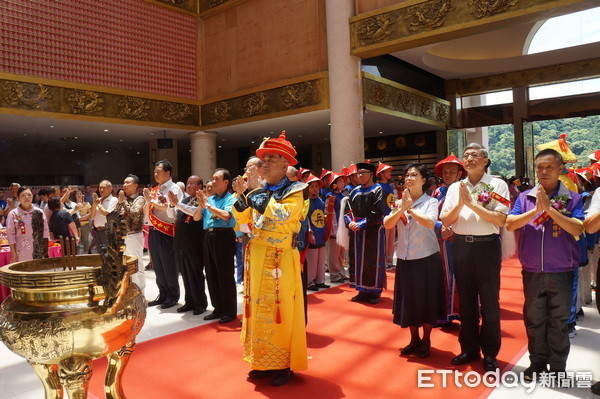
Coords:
186,6
104,89
386,96
290,97
416,23
34,98
571,71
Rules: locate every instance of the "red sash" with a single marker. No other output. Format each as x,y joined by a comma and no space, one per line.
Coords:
163,227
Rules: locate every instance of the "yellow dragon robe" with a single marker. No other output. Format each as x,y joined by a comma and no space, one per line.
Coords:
273,325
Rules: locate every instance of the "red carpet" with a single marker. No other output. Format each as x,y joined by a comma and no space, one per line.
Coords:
353,353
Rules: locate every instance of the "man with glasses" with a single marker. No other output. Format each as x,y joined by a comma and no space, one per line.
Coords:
364,217
476,208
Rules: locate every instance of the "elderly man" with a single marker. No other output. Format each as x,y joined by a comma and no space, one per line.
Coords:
550,218
219,246
273,330
364,217
101,206
476,208
162,231
189,237
131,205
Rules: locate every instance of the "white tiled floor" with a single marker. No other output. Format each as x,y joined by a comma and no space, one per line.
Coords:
17,380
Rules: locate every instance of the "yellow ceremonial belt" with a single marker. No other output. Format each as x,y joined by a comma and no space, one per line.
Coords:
271,238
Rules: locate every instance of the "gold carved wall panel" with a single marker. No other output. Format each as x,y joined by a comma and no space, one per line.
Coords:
403,101
289,99
27,96
414,23
189,6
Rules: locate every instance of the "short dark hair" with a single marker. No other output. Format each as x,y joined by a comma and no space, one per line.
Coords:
226,176
54,203
136,179
423,171
550,151
166,165
21,189
43,191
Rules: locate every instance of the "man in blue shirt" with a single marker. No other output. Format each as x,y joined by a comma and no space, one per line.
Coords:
219,246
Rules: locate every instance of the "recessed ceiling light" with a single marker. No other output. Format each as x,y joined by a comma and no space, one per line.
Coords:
106,151
138,153
72,150
300,135
121,140
223,139
252,142
106,130
151,134
220,147
380,132
329,124
51,126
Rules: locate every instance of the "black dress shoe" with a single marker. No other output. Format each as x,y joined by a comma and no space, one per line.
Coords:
323,285
157,301
226,319
212,316
374,300
312,288
490,363
198,311
534,370
185,308
168,304
464,358
256,374
411,347
281,377
424,349
360,297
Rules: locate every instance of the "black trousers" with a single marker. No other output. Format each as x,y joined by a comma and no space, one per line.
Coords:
477,272
191,265
165,266
219,255
546,314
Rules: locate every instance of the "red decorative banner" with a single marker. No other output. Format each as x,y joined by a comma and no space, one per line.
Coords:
541,218
500,199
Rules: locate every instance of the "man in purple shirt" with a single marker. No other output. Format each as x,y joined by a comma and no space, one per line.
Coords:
550,218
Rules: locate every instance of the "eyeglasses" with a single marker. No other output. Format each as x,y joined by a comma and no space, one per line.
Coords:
473,155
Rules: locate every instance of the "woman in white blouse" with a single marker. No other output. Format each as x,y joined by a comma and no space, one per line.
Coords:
419,298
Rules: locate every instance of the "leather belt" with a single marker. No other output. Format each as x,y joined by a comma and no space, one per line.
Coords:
99,228
468,238
211,229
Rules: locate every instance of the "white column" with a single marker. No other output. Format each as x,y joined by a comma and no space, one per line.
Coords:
345,87
204,154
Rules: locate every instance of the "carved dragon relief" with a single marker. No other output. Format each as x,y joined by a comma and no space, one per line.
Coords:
85,102
297,95
429,15
375,29
405,101
175,111
485,8
133,107
255,103
113,268
29,94
379,94
442,112
219,112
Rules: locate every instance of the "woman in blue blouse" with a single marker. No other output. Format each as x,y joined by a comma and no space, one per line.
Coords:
419,299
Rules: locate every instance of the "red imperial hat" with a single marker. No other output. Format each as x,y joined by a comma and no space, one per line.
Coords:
448,160
312,178
280,146
324,173
595,156
344,171
352,169
334,177
382,167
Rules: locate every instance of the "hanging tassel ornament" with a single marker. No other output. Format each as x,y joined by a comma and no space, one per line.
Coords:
247,282
276,275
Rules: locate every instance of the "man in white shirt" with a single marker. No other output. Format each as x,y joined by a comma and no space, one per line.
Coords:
101,206
476,208
162,231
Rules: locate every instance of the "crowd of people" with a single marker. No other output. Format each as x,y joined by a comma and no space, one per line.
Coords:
278,230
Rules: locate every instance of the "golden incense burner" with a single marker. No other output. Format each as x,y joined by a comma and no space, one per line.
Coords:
65,312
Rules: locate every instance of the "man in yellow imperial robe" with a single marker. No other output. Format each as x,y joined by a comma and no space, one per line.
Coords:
273,329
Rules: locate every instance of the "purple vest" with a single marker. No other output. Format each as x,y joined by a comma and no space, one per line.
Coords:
547,248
